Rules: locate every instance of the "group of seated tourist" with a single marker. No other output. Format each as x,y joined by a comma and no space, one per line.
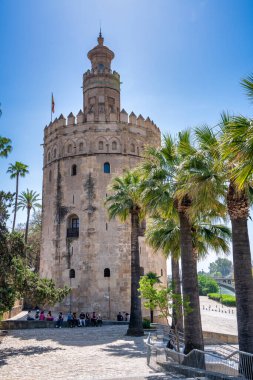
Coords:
39,315
84,319
124,317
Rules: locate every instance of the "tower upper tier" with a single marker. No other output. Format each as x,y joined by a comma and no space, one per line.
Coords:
101,86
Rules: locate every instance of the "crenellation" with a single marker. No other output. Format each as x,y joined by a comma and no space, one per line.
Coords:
140,121
132,118
71,119
61,121
80,117
123,116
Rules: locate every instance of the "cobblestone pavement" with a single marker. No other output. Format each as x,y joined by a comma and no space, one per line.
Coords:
79,353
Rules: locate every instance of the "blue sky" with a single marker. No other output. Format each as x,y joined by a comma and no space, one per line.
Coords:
180,61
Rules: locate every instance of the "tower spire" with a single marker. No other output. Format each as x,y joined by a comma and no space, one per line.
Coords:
100,37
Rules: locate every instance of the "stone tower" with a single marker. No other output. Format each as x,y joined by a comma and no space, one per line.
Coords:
81,248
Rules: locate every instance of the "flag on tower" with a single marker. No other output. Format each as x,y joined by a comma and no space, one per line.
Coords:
52,103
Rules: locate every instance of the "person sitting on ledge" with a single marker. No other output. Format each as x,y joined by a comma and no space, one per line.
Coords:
74,320
29,317
37,314
70,319
42,316
119,317
49,316
59,321
99,320
81,319
94,319
87,320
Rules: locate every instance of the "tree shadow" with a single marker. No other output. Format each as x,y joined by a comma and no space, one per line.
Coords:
78,336
127,349
24,351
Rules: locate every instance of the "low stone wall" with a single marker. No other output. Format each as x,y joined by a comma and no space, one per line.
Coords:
21,324
17,308
211,337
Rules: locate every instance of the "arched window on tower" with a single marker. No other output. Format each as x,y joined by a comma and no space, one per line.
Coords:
73,226
73,169
50,176
101,68
48,156
107,168
132,148
101,145
114,145
55,152
81,147
107,272
72,273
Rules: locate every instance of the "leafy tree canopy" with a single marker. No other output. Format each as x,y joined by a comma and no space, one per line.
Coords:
207,285
222,265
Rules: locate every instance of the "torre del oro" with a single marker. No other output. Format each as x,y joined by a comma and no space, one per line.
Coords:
81,247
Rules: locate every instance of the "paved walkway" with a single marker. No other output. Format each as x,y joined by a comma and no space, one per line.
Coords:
91,353
216,318
79,353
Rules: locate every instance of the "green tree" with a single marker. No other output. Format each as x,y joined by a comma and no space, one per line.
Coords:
124,202
154,279
17,170
161,182
163,299
222,265
207,285
216,177
28,200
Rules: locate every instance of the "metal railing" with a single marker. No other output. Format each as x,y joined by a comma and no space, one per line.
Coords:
72,232
236,363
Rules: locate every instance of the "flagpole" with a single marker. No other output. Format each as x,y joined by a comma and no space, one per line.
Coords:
51,105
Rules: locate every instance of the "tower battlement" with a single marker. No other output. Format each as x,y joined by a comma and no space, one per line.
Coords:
125,120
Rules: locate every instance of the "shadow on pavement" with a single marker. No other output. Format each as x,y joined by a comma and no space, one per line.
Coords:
24,351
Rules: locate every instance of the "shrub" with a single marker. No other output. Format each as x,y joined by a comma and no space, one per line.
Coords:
225,299
228,300
214,296
207,285
146,323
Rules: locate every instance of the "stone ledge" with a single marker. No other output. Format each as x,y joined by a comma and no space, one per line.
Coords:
211,337
23,324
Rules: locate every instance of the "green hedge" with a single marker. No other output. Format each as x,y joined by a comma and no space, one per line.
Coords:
146,323
225,299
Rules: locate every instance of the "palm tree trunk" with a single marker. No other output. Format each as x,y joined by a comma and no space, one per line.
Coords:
192,321
243,283
135,325
27,224
16,203
177,321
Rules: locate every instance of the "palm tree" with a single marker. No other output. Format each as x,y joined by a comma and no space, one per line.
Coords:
164,234
122,203
17,170
28,200
5,146
161,181
217,171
